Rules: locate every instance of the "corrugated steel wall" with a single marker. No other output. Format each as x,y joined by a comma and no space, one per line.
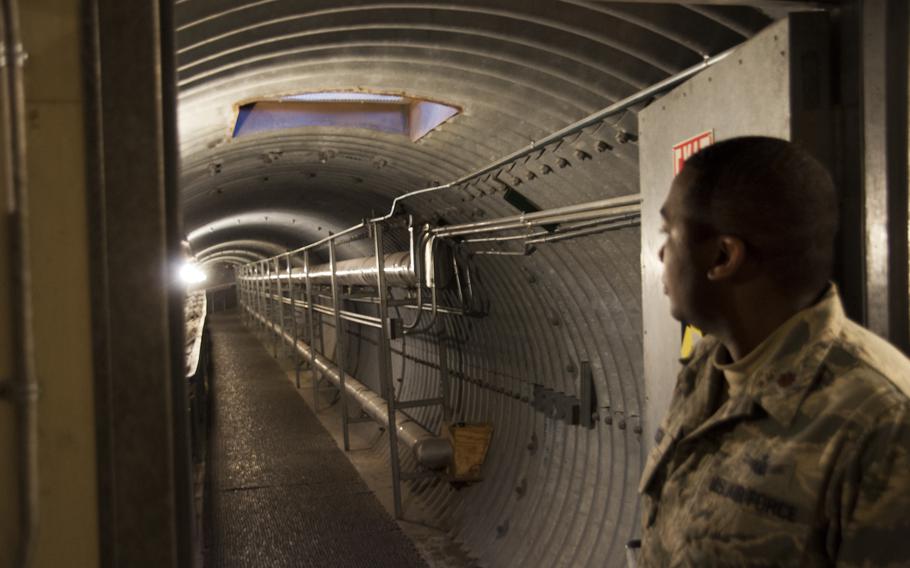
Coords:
553,494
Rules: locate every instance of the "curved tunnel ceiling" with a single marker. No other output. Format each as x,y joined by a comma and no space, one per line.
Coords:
552,494
519,70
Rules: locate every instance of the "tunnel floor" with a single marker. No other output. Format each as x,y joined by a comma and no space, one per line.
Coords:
280,492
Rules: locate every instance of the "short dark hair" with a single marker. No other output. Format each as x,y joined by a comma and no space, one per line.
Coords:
774,196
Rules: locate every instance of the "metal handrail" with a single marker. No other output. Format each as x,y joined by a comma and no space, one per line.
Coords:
430,451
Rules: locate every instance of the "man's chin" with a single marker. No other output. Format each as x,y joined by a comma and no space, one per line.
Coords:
676,313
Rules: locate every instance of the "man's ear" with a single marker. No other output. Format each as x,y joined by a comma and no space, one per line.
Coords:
731,255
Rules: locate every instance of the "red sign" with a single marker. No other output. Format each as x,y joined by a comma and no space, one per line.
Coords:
686,148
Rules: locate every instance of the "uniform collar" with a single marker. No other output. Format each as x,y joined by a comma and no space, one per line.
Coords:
779,388
782,385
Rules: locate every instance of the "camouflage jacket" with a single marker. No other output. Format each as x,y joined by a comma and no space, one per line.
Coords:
809,466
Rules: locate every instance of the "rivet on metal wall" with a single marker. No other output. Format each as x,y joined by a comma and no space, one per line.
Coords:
545,169
532,445
271,156
502,529
603,146
624,137
531,175
562,163
582,155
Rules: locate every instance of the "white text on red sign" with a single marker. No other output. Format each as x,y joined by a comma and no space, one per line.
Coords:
685,149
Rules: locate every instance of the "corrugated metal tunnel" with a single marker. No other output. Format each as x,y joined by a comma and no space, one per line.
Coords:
553,492
378,283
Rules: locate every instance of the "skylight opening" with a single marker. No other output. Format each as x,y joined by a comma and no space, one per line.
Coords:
394,114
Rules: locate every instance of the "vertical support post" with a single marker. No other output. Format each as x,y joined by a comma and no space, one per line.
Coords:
260,295
339,344
311,323
272,307
279,308
247,297
385,365
588,404
443,348
294,296
240,302
263,296
254,298
246,292
251,294
884,63
269,307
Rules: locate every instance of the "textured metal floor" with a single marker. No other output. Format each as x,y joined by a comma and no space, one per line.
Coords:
281,493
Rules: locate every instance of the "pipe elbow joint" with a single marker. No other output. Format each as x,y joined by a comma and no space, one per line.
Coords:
434,453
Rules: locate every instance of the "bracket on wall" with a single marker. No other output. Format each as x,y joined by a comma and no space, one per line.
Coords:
568,408
588,395
556,405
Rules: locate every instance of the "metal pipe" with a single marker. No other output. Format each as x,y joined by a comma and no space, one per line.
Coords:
362,319
617,107
24,385
434,310
360,271
414,306
416,323
430,451
505,238
581,212
594,118
502,252
330,238
600,228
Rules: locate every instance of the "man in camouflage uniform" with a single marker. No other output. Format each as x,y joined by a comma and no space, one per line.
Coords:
787,442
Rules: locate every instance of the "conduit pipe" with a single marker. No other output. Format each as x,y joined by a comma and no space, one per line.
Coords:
354,272
430,451
620,106
602,210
